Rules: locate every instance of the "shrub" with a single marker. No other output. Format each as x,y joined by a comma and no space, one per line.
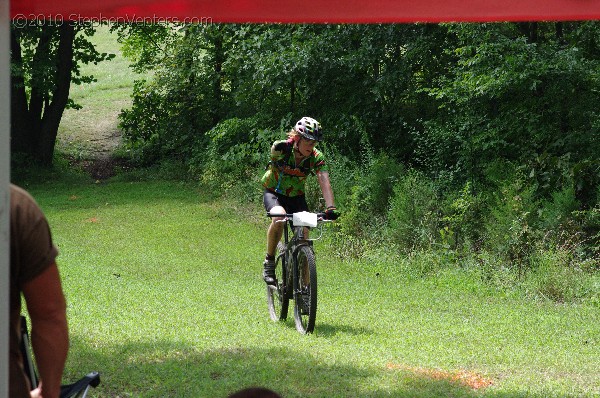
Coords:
559,209
556,277
370,195
235,156
413,216
590,225
143,124
509,227
342,173
462,219
422,263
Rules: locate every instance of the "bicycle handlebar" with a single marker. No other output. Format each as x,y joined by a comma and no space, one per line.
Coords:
290,215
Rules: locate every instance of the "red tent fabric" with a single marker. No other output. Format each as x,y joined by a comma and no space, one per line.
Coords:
313,11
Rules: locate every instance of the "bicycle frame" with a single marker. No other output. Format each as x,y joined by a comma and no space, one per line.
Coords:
298,278
293,245
291,250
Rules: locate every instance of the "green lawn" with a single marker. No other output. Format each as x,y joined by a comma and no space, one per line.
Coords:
165,299
94,127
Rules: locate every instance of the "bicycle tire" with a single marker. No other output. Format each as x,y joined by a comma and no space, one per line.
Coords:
305,298
277,298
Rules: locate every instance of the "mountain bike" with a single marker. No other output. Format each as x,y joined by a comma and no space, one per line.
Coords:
296,271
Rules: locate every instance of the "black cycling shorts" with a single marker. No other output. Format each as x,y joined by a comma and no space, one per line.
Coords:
291,204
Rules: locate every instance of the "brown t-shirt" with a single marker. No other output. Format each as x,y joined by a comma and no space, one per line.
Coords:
31,252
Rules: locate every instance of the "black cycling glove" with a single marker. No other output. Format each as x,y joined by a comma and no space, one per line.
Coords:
331,213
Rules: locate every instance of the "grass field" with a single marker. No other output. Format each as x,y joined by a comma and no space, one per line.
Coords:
93,130
165,299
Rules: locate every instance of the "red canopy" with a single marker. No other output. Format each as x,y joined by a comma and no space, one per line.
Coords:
318,11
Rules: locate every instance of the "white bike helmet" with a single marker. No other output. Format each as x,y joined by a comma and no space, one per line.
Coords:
309,128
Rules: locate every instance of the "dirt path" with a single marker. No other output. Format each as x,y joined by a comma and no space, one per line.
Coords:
90,136
93,147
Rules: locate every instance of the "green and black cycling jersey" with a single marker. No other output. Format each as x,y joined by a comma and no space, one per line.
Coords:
284,176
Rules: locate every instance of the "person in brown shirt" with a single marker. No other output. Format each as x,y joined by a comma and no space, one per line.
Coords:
34,274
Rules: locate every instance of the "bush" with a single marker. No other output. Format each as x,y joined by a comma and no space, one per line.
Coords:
509,228
413,216
235,157
363,190
462,220
342,173
590,225
428,262
556,277
556,212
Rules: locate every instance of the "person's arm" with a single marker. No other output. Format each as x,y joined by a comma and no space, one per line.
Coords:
49,332
323,177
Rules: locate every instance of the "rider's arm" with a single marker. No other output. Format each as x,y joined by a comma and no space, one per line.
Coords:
278,149
323,177
49,334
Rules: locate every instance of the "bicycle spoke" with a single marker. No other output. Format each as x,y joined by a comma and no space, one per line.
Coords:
305,307
277,300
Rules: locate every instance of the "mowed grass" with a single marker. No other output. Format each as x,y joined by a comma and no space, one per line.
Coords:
165,299
94,127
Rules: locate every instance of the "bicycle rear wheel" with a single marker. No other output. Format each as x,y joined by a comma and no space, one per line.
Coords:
305,298
277,298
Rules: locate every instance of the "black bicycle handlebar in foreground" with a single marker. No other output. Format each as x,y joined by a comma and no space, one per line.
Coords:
290,215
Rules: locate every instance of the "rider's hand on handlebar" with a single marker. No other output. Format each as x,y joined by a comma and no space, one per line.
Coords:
331,213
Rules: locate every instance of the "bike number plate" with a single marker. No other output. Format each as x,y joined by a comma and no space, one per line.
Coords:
305,219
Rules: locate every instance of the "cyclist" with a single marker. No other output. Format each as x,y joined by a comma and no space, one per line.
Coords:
292,161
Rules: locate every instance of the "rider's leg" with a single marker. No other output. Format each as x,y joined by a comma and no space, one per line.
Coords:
275,231
274,234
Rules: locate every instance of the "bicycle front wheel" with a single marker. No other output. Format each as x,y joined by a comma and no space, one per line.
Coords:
305,298
277,297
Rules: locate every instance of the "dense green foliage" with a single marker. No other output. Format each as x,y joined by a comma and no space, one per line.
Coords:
480,140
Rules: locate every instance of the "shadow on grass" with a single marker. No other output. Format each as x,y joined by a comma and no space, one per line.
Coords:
329,330
169,369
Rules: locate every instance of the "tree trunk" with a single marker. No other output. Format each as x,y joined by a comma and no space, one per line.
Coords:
529,30
21,132
60,96
34,126
560,36
38,94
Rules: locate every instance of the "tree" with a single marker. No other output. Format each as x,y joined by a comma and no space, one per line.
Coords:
525,93
45,60
449,99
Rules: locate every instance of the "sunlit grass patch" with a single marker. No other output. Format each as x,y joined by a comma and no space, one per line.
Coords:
165,299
